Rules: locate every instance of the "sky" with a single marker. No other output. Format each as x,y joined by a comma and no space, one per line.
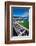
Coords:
20,11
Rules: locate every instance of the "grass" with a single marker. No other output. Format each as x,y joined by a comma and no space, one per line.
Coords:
25,24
